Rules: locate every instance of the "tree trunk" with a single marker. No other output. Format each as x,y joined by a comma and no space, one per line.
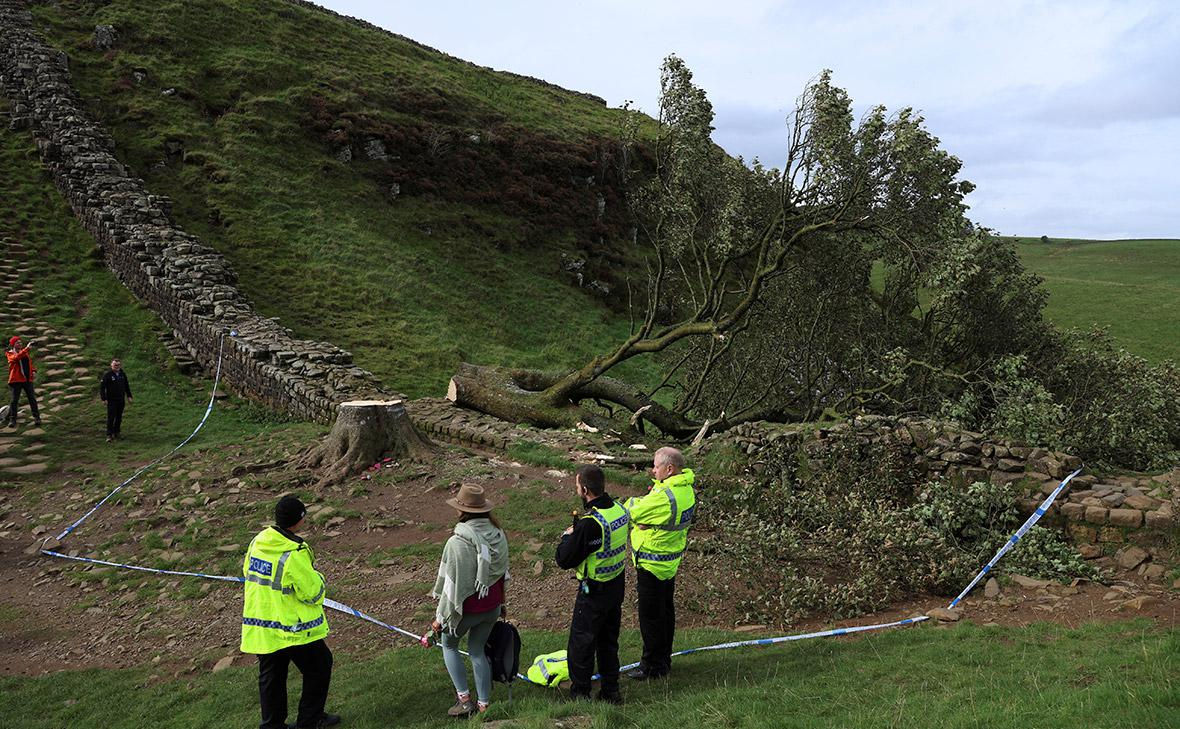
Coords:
547,400
364,431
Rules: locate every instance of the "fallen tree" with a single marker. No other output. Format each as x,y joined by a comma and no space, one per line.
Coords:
720,233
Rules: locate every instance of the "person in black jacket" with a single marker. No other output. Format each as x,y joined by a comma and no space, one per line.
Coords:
595,547
113,388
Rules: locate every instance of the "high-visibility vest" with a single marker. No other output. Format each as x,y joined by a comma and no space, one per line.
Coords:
284,595
549,669
660,520
607,563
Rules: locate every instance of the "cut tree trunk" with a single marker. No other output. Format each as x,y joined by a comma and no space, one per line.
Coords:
546,399
364,431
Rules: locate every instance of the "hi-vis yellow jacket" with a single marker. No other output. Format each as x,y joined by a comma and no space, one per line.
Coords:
659,524
284,599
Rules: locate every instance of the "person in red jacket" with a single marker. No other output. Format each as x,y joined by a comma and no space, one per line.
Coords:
20,379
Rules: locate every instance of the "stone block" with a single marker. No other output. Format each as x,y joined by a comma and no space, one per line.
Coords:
1131,557
1096,514
1082,533
1110,535
1159,520
1126,517
1073,512
1009,464
1137,500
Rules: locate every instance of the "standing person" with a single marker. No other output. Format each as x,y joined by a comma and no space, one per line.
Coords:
596,548
20,379
112,389
470,594
283,620
659,534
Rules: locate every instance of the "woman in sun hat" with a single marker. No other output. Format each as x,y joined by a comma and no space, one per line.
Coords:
470,594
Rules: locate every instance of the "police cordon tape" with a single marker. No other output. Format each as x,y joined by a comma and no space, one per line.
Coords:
348,610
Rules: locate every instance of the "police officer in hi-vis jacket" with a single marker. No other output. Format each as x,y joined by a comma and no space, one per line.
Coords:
659,534
596,548
283,620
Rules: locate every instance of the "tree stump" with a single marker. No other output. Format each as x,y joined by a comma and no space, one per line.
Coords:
364,431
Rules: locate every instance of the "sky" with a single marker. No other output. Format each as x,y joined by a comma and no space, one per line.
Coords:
1066,115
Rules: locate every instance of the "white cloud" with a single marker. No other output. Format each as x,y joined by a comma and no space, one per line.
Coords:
1065,113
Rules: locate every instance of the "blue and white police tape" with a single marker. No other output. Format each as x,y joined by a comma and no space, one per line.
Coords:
139,568
1028,524
208,409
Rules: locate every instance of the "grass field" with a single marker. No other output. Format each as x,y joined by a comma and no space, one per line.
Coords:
1130,286
1044,676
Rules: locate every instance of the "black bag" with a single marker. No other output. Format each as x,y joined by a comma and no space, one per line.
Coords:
503,651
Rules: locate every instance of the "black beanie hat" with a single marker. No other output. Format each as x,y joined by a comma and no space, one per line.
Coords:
289,511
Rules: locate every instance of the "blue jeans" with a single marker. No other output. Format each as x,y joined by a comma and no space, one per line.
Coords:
477,628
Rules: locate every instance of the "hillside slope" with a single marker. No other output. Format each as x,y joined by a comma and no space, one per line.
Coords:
1130,286
406,205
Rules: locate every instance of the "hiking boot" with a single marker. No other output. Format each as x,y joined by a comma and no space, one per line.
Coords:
613,697
462,709
576,696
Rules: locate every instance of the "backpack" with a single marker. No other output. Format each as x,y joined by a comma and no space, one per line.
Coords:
503,651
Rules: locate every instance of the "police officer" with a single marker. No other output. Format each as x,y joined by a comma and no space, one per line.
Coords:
595,547
283,620
659,533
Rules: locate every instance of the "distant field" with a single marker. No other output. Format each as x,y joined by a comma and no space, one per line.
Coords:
1131,286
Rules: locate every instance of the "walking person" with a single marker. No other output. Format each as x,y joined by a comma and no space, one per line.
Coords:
470,593
595,547
283,620
20,379
113,388
660,521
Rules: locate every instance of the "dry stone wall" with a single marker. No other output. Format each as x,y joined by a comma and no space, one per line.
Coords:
1095,509
191,287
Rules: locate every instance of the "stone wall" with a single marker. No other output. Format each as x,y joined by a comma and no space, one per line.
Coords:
190,287
1094,509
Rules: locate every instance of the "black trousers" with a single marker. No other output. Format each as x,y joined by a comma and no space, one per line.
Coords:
314,661
17,388
594,633
657,621
114,415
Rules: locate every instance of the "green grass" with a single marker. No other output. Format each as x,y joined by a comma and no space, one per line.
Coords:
1130,286
1119,675
411,287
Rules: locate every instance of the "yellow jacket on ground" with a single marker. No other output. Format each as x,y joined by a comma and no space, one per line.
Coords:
659,524
284,596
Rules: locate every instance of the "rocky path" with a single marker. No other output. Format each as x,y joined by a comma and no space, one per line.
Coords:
62,375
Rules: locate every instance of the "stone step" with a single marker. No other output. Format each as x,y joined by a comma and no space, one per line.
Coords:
27,469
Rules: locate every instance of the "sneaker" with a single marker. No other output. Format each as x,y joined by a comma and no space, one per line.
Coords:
110,438
462,709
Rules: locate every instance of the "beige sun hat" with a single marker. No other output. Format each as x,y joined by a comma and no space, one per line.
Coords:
471,499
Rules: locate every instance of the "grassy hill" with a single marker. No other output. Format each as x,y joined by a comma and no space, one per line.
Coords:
372,192
1130,286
